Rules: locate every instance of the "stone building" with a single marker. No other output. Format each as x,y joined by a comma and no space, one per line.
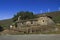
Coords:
43,20
33,24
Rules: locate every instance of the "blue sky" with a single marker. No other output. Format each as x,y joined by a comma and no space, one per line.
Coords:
10,7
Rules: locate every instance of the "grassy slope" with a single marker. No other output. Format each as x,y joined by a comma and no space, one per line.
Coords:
5,22
55,16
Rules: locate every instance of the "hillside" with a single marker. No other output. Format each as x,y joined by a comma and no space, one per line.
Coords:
55,16
5,22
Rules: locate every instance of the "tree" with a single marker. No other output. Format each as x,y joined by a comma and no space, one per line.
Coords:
14,18
24,15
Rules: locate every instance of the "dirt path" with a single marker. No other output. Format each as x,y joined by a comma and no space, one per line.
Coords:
31,37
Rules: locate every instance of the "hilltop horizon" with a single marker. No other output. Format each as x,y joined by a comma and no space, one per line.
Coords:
29,11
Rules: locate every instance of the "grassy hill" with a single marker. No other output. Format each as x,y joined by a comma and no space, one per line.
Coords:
55,16
6,22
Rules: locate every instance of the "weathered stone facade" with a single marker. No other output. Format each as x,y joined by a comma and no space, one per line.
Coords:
45,21
38,21
32,25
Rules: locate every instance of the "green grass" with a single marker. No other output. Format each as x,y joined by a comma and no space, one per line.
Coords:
5,22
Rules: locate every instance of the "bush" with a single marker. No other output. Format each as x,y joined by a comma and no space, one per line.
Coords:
1,28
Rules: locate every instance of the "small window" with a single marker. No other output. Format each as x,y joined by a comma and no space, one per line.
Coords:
43,20
31,22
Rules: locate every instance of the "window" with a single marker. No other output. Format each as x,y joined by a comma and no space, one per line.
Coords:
31,22
43,20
